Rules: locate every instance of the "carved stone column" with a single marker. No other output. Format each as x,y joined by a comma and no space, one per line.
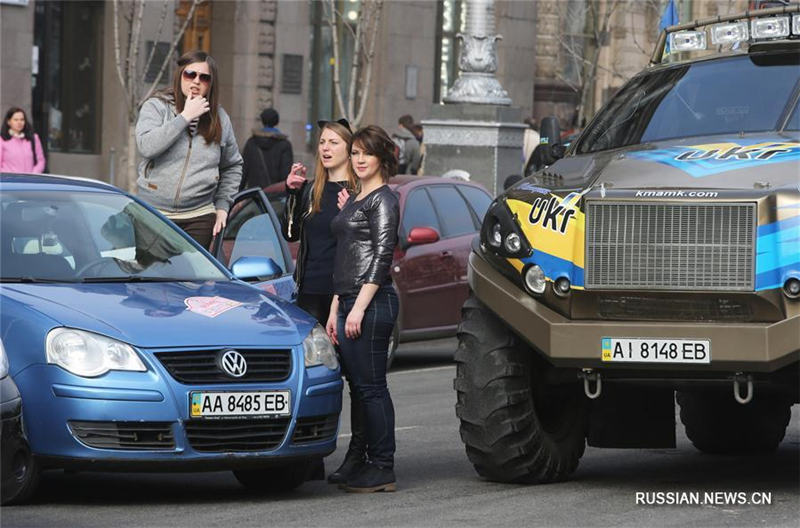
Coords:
477,61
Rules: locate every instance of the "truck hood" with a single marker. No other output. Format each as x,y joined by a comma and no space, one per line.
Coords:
168,314
724,162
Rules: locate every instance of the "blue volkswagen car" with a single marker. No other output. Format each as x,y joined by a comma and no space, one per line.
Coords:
133,349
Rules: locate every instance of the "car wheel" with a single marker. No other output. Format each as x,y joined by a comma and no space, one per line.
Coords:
274,479
516,427
22,480
394,339
716,423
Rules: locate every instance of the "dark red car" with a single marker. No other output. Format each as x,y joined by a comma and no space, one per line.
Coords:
439,217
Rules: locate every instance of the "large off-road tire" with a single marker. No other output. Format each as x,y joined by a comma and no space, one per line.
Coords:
716,423
278,479
516,427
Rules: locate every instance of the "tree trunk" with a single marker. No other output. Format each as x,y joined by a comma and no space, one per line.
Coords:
129,175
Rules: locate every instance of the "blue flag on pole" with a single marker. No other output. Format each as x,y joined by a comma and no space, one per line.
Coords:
669,18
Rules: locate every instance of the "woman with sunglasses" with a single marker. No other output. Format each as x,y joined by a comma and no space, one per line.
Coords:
192,166
364,307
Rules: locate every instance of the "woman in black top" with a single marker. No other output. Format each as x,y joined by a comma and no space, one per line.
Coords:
308,214
364,306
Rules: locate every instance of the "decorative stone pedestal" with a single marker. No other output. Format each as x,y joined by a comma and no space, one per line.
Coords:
484,140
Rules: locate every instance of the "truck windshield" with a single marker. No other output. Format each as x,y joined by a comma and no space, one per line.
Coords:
741,94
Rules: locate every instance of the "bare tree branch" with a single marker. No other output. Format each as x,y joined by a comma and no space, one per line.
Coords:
157,37
133,54
172,47
337,83
376,18
117,59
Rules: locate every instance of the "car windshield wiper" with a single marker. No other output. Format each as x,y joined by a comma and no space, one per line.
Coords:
40,280
131,278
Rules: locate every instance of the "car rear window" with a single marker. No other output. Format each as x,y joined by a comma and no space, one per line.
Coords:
477,198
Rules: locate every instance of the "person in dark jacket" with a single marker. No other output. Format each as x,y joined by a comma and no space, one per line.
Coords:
267,154
364,307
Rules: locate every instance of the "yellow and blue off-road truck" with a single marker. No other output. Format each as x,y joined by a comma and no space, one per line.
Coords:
659,256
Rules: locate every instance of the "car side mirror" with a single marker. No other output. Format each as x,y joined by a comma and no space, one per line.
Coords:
422,235
256,268
557,151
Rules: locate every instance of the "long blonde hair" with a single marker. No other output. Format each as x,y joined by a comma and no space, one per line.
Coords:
321,173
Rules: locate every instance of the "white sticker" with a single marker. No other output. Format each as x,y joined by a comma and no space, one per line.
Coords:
210,306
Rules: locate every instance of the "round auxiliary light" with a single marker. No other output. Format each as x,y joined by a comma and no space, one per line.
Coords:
496,237
561,287
534,279
792,288
512,243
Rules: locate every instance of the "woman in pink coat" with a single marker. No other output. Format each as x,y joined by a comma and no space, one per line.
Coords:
20,147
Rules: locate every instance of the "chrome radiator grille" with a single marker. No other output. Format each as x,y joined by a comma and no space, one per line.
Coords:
669,246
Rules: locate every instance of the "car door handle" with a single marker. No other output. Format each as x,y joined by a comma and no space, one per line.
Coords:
446,254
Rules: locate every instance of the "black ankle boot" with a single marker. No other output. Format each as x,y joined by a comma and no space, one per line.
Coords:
371,479
351,465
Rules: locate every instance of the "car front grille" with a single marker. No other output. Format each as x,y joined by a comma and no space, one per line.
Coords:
236,435
124,435
670,246
200,366
315,429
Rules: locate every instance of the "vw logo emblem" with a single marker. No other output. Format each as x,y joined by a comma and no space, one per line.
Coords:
233,363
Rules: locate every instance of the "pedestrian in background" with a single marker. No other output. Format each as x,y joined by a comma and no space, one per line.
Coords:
364,307
21,149
408,154
267,154
192,166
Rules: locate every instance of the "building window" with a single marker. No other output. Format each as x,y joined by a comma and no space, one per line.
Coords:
449,21
66,89
198,32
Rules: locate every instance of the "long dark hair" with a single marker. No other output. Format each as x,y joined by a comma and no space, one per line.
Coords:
209,126
376,142
27,132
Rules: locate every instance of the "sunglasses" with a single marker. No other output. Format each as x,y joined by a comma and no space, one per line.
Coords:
189,75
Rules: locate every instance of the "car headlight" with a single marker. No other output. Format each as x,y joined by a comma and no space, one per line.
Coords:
89,355
3,361
318,349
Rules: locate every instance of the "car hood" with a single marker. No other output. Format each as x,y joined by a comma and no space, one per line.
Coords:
169,314
724,162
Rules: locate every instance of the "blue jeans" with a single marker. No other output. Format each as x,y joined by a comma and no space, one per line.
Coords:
364,364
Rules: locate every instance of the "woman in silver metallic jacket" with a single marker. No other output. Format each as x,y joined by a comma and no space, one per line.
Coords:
364,307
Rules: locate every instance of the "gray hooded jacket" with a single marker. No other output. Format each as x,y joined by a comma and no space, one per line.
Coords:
180,172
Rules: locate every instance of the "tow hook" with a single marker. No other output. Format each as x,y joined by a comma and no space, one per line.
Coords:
589,376
738,379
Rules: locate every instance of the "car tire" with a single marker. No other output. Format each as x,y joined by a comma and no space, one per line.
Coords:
516,427
717,424
394,339
23,480
279,479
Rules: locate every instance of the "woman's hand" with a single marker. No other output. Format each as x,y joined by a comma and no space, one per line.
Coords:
330,326
352,326
342,198
219,224
296,177
194,107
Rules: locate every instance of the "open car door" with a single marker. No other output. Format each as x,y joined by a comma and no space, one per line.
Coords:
253,230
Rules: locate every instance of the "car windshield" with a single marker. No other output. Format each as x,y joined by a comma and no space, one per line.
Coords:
92,237
741,94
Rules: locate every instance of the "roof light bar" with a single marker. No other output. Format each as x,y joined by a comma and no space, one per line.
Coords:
729,33
775,27
795,24
687,41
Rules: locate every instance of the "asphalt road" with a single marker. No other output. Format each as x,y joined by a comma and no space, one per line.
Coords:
436,484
